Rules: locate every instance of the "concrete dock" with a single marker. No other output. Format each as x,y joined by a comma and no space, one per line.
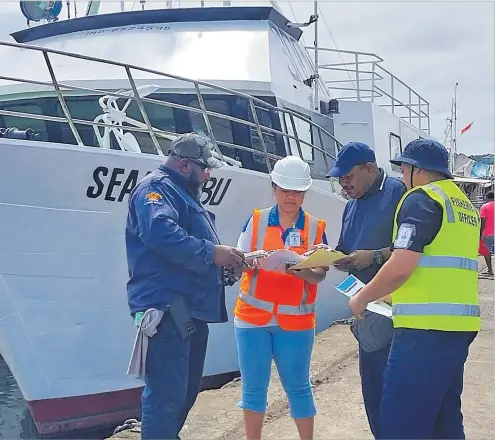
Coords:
337,389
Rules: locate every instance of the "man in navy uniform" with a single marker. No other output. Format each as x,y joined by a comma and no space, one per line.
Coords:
366,236
175,257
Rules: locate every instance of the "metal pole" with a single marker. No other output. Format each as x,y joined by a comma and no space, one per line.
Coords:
61,100
317,76
454,152
206,118
260,134
143,112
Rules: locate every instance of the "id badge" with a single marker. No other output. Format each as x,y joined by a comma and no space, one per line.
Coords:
294,239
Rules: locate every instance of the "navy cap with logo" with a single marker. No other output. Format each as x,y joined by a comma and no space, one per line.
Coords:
352,154
194,147
426,154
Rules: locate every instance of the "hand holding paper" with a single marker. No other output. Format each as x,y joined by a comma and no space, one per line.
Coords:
279,260
319,258
352,285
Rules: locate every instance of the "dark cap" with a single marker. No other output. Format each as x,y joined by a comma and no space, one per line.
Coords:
352,154
192,146
426,154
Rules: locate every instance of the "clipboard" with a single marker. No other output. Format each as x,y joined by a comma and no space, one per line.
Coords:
319,258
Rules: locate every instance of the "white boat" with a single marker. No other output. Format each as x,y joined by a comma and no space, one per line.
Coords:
104,95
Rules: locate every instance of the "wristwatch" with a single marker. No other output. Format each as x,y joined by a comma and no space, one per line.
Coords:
378,257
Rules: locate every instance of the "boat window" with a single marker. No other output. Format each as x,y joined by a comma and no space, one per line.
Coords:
305,133
222,128
161,118
265,119
22,123
395,144
88,108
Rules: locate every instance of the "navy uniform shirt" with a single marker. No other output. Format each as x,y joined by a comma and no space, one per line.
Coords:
423,216
367,223
170,244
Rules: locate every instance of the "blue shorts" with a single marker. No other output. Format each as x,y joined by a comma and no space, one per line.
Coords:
256,347
488,239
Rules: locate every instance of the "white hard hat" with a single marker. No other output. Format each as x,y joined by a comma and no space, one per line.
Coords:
292,173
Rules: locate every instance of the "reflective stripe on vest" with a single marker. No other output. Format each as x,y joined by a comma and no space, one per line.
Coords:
448,262
448,206
249,298
436,309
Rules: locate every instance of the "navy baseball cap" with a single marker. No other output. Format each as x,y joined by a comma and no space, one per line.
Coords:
352,154
426,154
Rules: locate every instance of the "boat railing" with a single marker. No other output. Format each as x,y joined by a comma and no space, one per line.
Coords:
351,75
115,116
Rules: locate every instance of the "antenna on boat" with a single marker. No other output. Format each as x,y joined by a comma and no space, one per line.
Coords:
314,77
452,130
316,74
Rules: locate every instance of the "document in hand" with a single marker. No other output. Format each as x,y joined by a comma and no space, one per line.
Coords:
351,285
277,261
319,258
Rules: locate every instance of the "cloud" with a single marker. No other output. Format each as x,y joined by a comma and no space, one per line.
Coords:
430,46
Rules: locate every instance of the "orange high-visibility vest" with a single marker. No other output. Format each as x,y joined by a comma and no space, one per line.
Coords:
266,293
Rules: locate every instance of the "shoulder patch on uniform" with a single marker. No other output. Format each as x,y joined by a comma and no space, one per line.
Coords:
404,236
153,198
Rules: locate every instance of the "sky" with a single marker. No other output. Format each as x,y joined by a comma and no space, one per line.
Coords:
430,45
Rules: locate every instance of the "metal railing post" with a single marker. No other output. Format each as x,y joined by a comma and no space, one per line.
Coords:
419,111
428,116
207,120
373,73
143,112
392,94
410,106
61,99
294,130
260,134
356,60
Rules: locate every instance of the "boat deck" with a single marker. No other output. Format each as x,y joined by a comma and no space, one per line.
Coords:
337,388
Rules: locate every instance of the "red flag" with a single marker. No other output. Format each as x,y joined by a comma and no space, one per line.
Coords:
466,128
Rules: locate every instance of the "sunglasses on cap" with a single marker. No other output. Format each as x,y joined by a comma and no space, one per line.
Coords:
205,168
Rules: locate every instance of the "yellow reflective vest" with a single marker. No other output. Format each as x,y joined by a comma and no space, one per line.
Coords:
442,292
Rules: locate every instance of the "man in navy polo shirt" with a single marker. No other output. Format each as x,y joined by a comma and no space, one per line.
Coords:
366,237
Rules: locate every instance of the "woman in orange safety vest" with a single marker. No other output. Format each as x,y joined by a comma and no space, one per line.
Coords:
274,315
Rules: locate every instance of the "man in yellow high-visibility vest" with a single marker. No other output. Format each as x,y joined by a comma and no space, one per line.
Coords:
433,277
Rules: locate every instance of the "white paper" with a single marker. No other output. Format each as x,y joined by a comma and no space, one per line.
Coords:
351,285
277,261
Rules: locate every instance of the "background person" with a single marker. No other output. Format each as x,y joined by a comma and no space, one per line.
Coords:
366,235
173,254
433,274
274,314
487,230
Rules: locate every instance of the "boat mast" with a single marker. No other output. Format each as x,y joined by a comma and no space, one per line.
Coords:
316,55
451,131
454,128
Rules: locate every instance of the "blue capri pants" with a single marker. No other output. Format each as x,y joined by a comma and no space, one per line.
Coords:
291,350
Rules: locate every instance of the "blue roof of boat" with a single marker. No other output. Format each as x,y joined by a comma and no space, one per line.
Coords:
178,15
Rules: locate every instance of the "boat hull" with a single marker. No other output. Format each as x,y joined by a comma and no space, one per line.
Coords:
65,328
